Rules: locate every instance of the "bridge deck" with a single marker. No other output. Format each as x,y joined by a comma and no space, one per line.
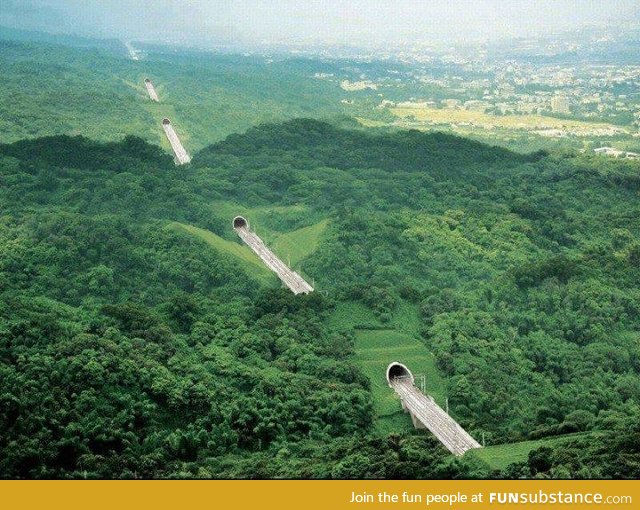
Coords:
290,278
424,409
182,156
152,91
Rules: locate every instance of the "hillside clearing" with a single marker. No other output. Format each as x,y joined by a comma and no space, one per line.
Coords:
297,245
250,261
501,455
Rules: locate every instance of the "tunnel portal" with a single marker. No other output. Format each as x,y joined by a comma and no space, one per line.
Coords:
425,413
240,222
397,370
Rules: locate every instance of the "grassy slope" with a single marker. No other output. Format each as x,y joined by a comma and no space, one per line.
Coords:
300,243
250,261
376,348
500,456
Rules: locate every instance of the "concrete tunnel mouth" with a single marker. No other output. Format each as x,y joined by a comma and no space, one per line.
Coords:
147,80
166,122
396,370
240,222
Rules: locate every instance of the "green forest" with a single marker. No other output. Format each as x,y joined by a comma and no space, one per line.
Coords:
139,338
130,347
93,90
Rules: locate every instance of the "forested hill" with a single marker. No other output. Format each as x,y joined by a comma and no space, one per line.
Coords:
320,144
83,153
137,338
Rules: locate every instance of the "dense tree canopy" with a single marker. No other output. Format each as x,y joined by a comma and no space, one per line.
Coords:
129,348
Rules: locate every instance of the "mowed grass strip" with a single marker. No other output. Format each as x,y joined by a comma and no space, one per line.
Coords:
299,244
375,349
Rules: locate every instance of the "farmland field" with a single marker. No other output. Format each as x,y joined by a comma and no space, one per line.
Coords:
485,120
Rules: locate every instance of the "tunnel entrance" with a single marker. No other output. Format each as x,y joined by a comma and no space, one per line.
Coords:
166,122
398,370
240,222
147,80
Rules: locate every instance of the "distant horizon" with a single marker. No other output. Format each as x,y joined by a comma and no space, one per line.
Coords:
358,23
247,45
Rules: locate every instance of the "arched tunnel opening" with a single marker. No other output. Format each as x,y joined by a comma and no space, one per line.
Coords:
397,370
147,80
240,222
166,122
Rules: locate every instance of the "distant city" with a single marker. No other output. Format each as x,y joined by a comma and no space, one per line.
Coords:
581,87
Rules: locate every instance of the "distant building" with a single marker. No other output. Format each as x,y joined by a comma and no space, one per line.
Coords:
416,104
616,153
386,104
559,104
357,85
477,106
450,103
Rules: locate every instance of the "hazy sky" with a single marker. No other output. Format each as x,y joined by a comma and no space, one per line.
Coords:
342,21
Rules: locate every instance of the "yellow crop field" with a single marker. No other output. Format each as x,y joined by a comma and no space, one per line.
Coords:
485,120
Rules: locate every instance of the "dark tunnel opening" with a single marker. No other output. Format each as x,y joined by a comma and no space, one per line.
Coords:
396,370
166,122
240,222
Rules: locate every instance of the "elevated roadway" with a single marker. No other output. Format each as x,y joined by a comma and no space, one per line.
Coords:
151,90
288,276
425,413
181,155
